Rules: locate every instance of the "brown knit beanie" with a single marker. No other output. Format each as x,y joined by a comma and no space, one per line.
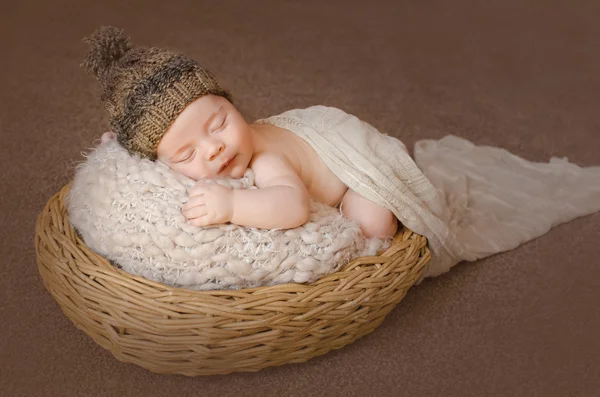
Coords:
144,89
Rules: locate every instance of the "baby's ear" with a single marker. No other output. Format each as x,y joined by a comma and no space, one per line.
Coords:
108,136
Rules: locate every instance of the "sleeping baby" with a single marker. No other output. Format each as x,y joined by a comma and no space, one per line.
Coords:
468,201
166,107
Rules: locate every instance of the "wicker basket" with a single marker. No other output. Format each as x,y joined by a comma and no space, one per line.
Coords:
180,331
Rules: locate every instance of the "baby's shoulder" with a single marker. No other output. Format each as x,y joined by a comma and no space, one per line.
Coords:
269,168
270,163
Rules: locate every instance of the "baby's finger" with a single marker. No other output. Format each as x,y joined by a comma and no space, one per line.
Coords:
194,202
200,221
195,212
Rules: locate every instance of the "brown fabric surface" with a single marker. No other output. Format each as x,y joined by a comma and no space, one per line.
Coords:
519,74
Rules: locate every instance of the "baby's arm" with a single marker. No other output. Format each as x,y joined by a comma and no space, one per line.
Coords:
281,200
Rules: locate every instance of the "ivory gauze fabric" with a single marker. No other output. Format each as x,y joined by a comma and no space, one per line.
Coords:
469,201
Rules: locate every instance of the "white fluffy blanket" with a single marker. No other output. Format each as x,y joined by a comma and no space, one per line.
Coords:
129,211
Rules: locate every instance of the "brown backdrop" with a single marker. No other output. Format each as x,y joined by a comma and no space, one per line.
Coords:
519,74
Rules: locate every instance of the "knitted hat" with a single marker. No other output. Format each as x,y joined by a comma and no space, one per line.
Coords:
144,89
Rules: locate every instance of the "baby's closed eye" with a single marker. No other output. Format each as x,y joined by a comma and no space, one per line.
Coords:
188,157
219,125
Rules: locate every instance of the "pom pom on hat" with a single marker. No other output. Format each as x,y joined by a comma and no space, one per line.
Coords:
107,46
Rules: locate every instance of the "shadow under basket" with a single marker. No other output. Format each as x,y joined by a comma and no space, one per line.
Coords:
180,331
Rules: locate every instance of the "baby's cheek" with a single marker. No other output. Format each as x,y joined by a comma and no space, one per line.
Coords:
191,173
195,171
180,170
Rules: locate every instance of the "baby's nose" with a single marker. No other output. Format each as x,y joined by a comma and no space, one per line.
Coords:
215,150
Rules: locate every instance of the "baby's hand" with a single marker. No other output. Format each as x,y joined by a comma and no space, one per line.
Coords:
208,204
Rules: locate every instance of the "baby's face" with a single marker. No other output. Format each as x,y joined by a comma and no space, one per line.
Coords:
209,139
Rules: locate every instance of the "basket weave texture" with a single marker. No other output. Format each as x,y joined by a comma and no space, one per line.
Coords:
179,331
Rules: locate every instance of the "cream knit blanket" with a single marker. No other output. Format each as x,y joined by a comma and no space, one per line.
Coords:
129,211
469,201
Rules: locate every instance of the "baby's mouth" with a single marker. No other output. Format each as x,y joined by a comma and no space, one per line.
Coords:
226,164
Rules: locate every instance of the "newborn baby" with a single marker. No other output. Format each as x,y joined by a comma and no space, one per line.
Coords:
211,139
167,107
